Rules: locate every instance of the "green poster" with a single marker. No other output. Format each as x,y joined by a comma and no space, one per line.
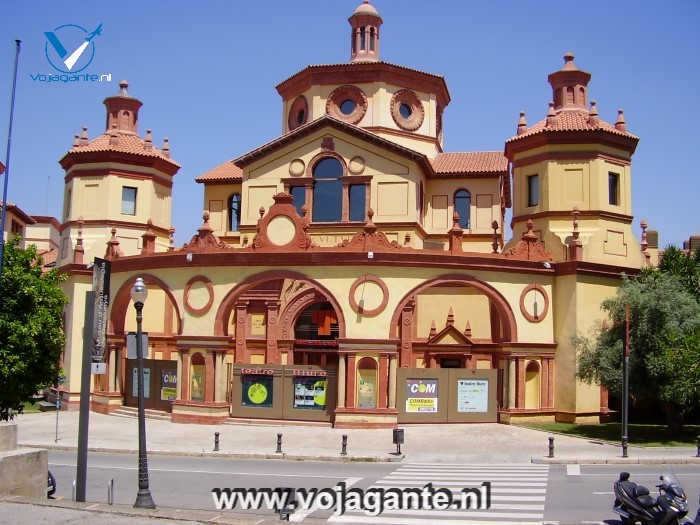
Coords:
257,390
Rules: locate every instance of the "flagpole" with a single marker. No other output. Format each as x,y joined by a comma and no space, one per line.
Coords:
7,159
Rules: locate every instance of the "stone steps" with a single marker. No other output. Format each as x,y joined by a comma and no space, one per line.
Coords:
125,411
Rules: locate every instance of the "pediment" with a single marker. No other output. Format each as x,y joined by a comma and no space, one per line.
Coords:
449,336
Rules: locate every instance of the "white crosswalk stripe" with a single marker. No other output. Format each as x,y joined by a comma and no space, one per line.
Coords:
518,494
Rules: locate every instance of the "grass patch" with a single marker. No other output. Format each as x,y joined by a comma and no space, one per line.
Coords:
639,434
30,407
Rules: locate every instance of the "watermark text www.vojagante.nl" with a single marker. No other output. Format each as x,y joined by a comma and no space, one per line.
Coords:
340,499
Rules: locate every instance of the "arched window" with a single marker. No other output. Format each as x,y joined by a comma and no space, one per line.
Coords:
532,385
463,202
328,190
234,212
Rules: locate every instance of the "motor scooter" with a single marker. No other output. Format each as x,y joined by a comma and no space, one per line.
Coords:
634,504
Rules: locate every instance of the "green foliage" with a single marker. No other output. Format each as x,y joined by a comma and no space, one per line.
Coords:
684,266
664,340
31,327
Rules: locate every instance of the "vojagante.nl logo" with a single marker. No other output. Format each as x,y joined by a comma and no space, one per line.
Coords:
69,50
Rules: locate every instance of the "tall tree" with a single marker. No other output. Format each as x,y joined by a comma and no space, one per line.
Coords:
31,327
664,338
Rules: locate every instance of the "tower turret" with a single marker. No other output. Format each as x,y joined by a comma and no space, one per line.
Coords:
569,86
122,111
364,36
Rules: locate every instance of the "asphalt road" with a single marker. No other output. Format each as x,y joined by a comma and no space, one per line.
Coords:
561,493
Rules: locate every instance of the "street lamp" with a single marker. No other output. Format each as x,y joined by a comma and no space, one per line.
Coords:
139,292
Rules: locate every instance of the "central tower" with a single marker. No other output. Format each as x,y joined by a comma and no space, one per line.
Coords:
364,36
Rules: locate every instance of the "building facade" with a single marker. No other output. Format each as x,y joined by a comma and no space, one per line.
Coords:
351,271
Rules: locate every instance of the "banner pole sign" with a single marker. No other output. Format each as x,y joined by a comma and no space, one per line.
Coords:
100,285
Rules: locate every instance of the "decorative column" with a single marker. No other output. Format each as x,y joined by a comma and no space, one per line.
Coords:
383,380
112,373
209,377
241,319
407,333
178,389
218,361
345,209
544,382
341,381
185,374
392,381
520,383
272,353
511,363
550,382
350,382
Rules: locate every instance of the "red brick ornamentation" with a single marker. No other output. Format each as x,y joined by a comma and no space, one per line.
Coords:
340,95
529,247
540,315
113,251
417,113
205,240
283,207
210,289
358,308
369,239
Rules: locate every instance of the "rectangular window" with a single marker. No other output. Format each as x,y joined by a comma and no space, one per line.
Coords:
299,198
614,189
533,190
16,227
128,200
357,202
66,205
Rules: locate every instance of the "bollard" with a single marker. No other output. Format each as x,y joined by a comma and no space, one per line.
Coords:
279,444
216,441
73,492
624,447
551,446
697,444
110,492
344,449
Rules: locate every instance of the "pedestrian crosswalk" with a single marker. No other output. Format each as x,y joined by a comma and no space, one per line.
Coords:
517,494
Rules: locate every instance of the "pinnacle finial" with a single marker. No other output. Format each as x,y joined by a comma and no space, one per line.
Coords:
645,243
620,123
593,114
148,141
84,136
166,147
123,85
522,124
76,141
551,115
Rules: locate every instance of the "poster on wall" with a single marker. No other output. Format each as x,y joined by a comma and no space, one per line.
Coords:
168,385
146,382
421,395
197,383
472,395
310,393
367,388
257,390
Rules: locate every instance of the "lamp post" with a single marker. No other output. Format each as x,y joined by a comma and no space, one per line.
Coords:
139,292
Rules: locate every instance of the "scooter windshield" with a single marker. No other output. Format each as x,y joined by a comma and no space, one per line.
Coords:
671,484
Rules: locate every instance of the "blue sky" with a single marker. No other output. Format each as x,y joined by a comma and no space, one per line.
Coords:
206,73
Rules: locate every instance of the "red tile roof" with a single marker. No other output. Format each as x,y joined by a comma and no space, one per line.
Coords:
11,206
126,143
571,121
227,172
470,163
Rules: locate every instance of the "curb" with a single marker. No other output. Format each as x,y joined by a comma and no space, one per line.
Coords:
231,455
164,513
680,460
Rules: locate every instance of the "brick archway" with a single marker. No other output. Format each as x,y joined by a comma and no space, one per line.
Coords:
288,317
122,298
503,309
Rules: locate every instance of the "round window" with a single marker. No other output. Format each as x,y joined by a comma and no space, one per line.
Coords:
347,106
406,110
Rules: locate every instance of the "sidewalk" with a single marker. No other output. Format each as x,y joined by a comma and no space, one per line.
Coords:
469,443
19,511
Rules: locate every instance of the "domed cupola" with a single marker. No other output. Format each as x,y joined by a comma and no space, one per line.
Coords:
364,35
